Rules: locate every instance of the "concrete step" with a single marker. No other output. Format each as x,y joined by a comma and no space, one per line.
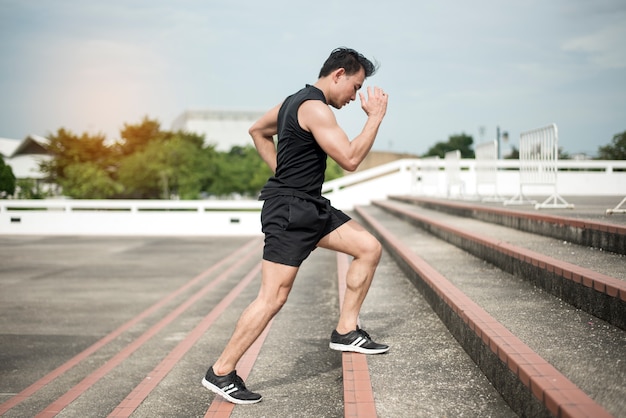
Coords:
500,318
603,295
588,225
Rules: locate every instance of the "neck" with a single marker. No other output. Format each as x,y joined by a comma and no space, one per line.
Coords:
324,85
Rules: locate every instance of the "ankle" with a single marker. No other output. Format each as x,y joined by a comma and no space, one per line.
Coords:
343,330
221,371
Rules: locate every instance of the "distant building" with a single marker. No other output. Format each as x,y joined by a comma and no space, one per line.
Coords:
222,128
25,156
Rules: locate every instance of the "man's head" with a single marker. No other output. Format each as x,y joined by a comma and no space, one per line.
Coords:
342,75
348,59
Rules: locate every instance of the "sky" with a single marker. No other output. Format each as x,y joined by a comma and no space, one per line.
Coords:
449,66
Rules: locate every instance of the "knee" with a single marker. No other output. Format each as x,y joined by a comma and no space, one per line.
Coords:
371,249
278,303
272,305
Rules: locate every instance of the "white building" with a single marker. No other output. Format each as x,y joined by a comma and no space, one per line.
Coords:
222,128
25,156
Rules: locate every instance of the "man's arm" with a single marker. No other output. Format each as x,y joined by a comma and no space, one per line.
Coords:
262,133
319,119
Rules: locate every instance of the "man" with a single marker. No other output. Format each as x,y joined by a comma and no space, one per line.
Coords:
296,218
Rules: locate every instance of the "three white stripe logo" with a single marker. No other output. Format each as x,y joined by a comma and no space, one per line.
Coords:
230,389
359,342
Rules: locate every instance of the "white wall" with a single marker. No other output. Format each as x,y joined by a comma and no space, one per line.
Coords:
129,217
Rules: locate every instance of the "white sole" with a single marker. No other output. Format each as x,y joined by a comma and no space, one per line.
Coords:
355,349
210,386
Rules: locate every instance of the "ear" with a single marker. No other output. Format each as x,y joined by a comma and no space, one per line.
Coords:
338,73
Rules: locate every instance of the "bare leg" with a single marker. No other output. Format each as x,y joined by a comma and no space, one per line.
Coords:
277,280
351,238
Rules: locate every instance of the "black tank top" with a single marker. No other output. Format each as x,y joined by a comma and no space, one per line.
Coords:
301,162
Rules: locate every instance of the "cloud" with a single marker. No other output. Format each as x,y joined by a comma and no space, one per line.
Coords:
604,48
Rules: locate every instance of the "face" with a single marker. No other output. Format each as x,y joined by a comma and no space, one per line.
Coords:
346,87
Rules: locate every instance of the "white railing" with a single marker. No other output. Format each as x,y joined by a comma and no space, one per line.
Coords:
214,217
620,208
455,185
487,171
429,178
538,159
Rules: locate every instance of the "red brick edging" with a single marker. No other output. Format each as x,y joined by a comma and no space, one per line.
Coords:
358,397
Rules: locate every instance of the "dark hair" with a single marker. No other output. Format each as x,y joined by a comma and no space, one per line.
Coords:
348,59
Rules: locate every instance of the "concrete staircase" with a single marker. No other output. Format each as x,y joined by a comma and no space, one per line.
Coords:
542,317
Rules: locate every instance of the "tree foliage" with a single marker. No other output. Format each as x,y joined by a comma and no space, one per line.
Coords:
170,165
75,158
333,170
460,142
135,138
30,189
7,179
87,180
240,171
151,163
616,150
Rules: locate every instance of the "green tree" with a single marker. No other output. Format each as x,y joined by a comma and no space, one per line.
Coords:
171,164
29,189
81,163
616,150
7,179
460,142
140,173
87,180
188,165
241,170
333,170
135,138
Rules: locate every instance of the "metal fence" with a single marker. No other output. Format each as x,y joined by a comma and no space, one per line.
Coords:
538,159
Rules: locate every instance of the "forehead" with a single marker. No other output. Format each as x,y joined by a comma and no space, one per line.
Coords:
357,78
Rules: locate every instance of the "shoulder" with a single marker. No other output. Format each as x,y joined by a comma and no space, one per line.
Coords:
315,113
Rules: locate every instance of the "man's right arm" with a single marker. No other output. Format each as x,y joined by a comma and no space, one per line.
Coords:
262,133
317,118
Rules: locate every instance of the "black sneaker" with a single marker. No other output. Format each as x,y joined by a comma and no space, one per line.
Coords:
230,387
357,341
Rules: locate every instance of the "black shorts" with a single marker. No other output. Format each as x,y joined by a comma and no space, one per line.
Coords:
293,226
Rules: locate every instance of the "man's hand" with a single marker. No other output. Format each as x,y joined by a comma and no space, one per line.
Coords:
375,106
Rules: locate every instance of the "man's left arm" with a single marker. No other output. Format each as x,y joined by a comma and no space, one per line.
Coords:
262,133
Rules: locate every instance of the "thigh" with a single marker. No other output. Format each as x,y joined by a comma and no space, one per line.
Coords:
350,238
277,280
